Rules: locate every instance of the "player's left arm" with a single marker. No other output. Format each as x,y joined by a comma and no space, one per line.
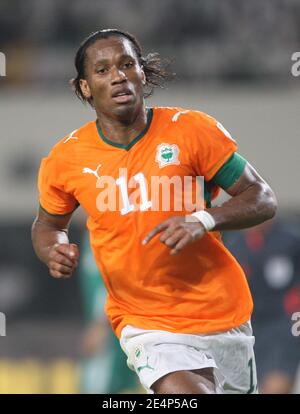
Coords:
252,202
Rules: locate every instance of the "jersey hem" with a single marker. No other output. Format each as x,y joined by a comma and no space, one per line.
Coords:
217,328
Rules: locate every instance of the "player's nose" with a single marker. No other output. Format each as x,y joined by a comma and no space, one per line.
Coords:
117,76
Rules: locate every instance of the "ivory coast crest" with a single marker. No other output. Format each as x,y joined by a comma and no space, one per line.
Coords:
167,154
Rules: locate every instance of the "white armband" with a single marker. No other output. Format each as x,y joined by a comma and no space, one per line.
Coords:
206,219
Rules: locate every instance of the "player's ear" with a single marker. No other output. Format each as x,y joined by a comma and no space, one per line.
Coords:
85,89
143,76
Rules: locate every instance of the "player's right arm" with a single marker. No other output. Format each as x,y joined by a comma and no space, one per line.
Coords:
51,243
57,204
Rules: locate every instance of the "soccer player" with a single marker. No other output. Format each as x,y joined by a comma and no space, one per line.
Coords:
177,299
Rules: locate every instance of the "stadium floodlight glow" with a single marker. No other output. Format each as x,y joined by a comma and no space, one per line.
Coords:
2,64
296,66
2,324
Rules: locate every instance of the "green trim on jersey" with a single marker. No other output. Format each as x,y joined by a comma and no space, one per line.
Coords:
207,195
134,141
227,175
230,172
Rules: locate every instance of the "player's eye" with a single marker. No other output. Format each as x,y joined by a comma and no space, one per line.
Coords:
101,70
128,64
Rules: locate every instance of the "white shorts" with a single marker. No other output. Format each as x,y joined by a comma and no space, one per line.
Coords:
152,354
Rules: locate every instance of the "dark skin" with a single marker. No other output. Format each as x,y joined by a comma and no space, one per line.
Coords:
112,69
51,244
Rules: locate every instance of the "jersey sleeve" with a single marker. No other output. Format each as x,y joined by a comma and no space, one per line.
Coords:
52,195
230,172
212,147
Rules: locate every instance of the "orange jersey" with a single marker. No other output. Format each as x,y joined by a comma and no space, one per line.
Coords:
202,289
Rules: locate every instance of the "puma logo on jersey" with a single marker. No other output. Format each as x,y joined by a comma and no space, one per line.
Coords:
167,154
71,136
177,115
90,171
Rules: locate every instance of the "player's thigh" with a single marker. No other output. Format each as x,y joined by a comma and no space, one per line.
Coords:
200,381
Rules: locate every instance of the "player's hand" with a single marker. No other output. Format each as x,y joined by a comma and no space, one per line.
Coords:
177,232
63,260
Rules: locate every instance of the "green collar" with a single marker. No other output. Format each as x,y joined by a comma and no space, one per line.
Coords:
135,140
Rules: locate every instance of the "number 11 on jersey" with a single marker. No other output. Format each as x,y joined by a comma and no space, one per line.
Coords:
127,206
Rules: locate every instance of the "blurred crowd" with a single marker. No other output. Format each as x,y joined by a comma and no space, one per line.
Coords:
232,39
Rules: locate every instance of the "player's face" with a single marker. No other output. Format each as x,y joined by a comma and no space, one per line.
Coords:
114,78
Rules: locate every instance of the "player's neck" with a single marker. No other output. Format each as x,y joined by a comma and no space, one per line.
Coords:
123,131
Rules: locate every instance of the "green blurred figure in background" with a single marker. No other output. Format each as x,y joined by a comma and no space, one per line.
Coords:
103,369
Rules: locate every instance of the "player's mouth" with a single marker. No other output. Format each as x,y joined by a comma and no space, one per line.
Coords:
122,97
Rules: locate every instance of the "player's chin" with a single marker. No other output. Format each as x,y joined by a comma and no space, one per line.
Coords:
122,110
125,108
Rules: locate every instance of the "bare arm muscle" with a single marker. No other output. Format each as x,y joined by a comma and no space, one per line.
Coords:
252,202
